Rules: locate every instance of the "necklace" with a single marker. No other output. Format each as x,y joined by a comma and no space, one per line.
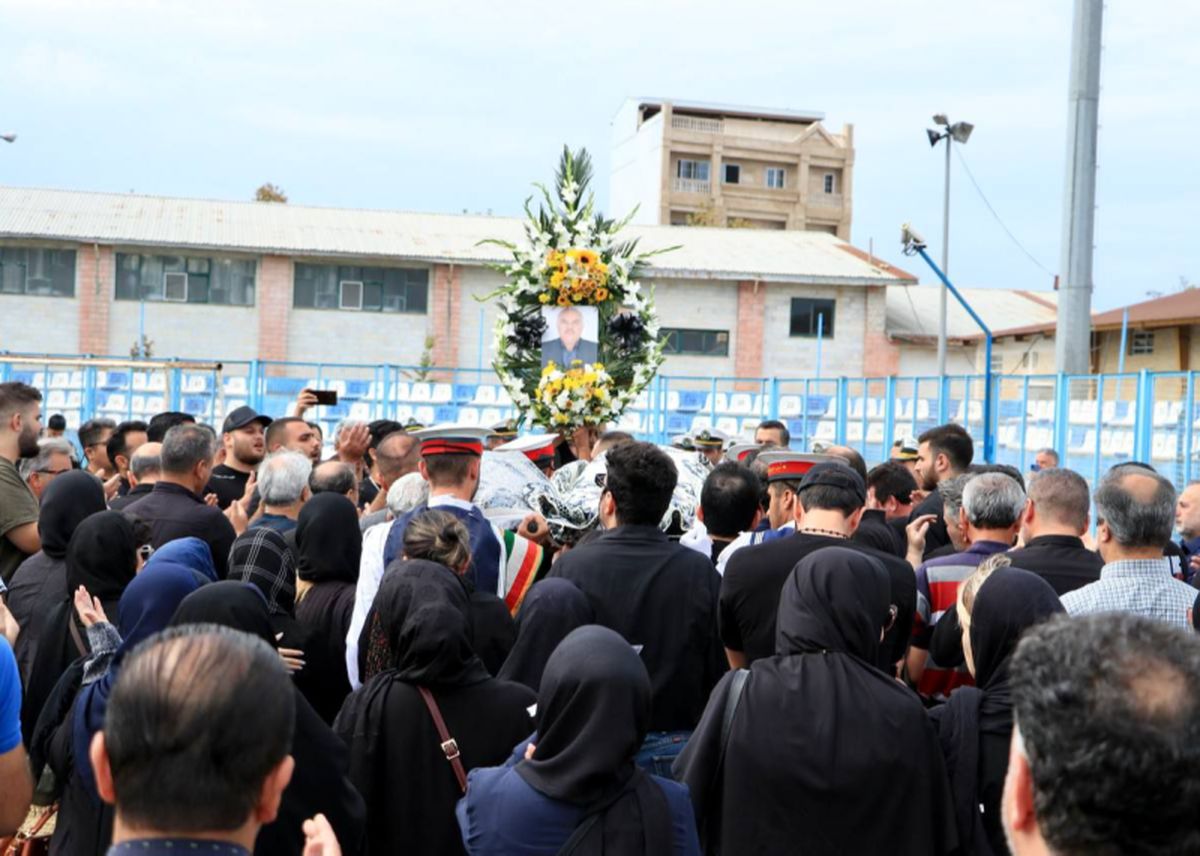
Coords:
829,533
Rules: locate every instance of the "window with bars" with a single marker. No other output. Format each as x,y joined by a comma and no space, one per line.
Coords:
35,270
1141,342
366,289
702,343
186,279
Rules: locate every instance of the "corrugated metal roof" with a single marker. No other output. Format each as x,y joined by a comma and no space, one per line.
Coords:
912,311
1172,310
298,230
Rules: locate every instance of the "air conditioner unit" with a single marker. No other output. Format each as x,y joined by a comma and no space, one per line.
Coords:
351,294
175,287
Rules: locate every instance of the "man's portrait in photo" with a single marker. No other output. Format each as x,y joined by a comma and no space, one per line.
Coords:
572,333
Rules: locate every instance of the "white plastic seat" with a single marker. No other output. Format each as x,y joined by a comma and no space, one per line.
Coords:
741,404
468,416
442,393
728,424
361,411
789,406
485,394
235,385
701,423
826,430
60,380
420,392
875,432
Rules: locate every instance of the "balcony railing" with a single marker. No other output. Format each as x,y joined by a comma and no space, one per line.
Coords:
828,200
694,123
693,185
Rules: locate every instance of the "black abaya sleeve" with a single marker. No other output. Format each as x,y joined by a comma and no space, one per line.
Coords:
946,645
699,765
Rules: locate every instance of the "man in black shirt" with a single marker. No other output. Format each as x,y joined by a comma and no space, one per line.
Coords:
121,445
943,452
829,505
890,488
660,596
175,507
729,504
1055,518
243,436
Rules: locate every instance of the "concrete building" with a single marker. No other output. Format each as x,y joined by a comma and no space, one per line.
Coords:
685,162
912,326
235,281
1163,335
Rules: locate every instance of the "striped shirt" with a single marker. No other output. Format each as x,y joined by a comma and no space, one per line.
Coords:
937,591
1141,586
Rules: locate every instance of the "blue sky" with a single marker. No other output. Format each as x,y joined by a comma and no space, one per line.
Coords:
448,106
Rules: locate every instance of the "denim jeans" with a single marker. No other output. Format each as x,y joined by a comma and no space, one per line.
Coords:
659,750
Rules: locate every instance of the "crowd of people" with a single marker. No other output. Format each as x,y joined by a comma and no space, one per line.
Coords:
226,641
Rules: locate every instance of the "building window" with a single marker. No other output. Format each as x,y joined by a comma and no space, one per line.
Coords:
732,173
997,363
31,270
696,170
186,279
1029,360
809,313
702,343
366,289
1141,342
829,180
775,177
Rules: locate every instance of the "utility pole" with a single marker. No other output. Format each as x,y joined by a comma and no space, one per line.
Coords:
1073,332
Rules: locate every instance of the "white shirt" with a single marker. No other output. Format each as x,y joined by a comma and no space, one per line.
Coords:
746,539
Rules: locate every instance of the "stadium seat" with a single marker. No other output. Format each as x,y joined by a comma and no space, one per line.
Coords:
1086,444
827,430
875,433
360,411
691,400
442,393
485,394
673,399
60,380
235,385
741,404
503,399
1165,446
632,422
750,425
468,416
728,424
420,392
490,416
854,432
789,406
716,403
56,399
701,423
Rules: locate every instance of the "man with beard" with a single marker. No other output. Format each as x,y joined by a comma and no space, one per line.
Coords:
245,445
20,425
295,434
943,452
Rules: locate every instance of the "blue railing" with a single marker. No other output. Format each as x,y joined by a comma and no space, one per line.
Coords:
1093,421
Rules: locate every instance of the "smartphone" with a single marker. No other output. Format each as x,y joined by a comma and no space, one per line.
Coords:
325,396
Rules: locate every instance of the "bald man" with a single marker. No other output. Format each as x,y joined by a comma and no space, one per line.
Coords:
144,469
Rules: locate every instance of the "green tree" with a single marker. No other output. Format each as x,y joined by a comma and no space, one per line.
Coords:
270,193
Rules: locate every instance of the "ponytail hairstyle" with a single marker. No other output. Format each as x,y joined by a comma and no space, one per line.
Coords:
438,536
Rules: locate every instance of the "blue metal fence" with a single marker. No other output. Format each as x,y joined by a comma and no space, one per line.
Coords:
1093,421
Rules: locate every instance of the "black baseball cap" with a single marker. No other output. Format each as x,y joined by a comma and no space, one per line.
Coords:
241,417
835,474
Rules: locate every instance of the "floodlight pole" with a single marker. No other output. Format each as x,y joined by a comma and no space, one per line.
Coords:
941,349
1072,344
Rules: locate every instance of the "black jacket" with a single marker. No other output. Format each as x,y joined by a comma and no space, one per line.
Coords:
662,597
137,494
1060,560
936,535
879,533
755,575
173,511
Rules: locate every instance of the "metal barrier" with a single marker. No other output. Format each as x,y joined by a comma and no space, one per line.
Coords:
1093,421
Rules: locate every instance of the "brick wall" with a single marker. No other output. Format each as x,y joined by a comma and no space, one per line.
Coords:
95,274
445,310
274,299
748,331
881,357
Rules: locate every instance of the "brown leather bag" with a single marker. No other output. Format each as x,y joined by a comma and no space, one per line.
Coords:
449,745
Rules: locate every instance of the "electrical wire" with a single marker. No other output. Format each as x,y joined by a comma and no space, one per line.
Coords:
962,160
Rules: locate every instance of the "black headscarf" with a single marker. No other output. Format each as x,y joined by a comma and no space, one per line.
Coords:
1008,603
423,626
826,754
67,502
328,540
102,555
240,606
319,783
553,608
592,716
261,556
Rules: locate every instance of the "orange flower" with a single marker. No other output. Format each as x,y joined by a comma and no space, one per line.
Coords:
563,299
601,294
587,258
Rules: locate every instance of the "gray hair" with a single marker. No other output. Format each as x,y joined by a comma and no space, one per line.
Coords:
144,464
47,447
406,493
1048,451
186,445
951,492
993,501
282,477
1062,495
90,431
1136,521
